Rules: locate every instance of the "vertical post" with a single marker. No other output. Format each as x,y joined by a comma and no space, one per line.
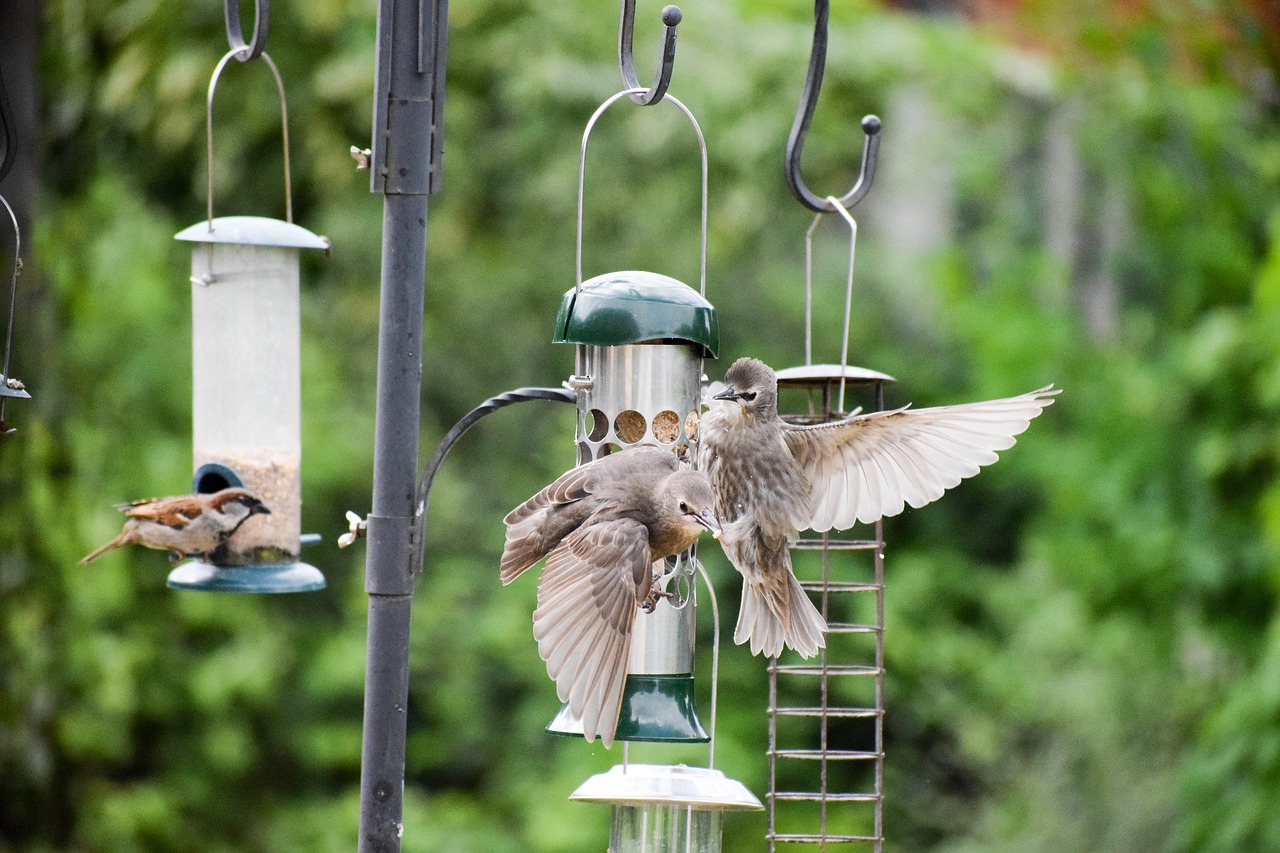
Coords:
408,107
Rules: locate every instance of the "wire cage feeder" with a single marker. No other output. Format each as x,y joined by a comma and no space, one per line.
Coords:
246,378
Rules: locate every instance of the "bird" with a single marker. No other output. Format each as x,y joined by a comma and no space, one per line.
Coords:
184,525
601,527
773,479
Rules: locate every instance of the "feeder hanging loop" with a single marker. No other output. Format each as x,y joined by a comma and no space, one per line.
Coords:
235,32
671,17
804,115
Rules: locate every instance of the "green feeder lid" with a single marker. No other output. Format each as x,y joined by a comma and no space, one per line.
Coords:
630,307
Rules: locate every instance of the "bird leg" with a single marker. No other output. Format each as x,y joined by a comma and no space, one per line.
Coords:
656,591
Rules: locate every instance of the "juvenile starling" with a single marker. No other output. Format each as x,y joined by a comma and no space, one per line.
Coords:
772,479
602,526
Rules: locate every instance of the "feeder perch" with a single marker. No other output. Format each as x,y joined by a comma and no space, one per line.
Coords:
666,807
640,338
246,378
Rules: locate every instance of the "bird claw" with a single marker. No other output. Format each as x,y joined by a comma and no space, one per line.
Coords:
652,601
357,528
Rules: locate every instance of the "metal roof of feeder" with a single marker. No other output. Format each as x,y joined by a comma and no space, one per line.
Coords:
634,306
252,231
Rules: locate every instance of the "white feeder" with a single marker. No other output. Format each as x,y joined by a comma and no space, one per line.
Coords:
246,393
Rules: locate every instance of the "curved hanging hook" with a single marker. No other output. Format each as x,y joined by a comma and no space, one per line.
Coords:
800,128
671,17
7,147
235,32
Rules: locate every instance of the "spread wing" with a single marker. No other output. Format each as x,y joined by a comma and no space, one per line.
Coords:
588,594
172,512
869,466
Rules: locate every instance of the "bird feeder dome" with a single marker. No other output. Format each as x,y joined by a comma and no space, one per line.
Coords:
633,307
659,807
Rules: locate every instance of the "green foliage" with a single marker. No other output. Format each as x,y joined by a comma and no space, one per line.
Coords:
1082,642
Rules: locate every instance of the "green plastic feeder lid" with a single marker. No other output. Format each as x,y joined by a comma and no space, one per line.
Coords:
253,231
629,307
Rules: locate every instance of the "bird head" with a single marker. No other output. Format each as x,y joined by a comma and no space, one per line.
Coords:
237,501
692,500
753,385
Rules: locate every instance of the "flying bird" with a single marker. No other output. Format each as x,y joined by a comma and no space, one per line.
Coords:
601,527
772,479
185,526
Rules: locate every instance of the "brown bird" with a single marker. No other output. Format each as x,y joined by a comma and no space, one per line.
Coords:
773,479
185,526
601,527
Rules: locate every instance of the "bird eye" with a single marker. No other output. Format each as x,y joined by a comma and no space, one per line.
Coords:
749,396
684,507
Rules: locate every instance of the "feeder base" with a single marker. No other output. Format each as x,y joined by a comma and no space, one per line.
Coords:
206,577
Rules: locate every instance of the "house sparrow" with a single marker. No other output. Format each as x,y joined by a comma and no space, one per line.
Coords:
772,479
185,526
601,527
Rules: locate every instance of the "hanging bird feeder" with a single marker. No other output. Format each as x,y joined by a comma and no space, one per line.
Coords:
660,807
640,338
246,377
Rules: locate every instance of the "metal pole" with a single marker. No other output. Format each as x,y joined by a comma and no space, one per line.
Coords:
408,106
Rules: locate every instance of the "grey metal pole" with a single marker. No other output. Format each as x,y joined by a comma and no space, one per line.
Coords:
405,166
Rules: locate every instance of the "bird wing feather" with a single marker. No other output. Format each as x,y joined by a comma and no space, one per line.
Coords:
869,466
588,594
539,524
175,512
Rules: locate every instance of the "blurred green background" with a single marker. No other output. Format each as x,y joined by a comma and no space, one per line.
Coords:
1083,649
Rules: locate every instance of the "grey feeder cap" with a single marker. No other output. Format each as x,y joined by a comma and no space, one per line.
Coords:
667,785
253,231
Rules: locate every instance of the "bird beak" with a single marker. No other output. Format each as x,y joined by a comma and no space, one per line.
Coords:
729,393
708,519
260,509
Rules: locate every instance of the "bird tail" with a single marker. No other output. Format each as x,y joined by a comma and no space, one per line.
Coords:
770,624
98,552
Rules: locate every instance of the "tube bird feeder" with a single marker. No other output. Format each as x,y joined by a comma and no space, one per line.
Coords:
246,396
640,339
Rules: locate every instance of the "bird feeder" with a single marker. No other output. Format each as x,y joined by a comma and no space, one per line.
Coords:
640,339
666,807
246,395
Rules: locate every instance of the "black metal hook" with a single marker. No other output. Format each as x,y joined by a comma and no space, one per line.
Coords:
7,148
671,17
808,103
235,32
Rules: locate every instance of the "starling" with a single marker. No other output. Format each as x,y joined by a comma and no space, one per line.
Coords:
772,479
601,527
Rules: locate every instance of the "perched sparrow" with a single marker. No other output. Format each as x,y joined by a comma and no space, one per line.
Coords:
772,479
603,524
186,525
